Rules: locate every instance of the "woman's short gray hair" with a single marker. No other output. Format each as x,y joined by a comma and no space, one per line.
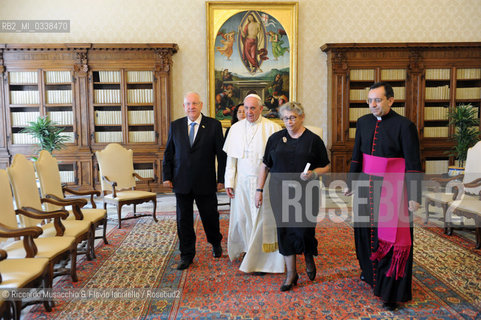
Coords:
293,107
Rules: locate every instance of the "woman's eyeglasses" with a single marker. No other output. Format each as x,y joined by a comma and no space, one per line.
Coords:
292,118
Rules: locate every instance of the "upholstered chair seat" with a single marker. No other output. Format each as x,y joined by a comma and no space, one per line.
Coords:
440,196
17,273
72,228
93,215
22,273
129,195
47,247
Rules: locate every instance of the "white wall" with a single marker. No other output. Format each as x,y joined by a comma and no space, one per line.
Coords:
184,22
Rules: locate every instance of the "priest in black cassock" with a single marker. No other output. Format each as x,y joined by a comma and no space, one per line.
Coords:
385,177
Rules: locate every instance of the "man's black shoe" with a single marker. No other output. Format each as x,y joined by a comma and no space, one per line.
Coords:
184,264
391,306
217,251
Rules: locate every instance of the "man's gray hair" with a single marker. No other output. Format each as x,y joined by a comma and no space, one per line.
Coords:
253,95
192,92
292,106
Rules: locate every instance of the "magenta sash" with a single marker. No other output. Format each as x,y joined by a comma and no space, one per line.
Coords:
393,220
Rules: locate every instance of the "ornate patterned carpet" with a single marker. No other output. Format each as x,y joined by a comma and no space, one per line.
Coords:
446,284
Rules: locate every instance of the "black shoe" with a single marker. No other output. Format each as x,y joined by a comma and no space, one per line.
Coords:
217,251
257,273
184,264
311,274
310,264
391,306
287,287
362,277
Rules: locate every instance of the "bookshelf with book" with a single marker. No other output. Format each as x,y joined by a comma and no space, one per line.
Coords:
468,87
446,85
107,106
68,173
99,93
23,104
134,109
44,80
59,103
124,106
436,102
359,82
140,107
33,94
4,155
428,79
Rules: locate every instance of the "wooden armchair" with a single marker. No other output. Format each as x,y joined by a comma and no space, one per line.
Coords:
468,207
25,190
442,199
60,235
461,196
30,272
51,187
116,167
454,189
31,247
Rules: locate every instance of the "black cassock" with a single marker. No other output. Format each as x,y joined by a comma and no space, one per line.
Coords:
393,136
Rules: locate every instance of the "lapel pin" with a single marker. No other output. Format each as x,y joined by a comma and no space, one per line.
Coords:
203,126
284,139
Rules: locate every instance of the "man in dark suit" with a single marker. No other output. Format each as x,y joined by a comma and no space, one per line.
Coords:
189,168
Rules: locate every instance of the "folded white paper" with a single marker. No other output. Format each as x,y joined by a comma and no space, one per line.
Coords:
306,168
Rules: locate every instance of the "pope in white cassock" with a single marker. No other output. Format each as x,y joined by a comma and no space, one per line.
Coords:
251,230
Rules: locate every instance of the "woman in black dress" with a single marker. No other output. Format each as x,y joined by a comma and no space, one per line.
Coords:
286,155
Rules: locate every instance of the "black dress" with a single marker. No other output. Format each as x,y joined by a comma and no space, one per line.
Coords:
394,136
286,158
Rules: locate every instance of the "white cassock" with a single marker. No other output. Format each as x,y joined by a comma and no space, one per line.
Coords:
251,230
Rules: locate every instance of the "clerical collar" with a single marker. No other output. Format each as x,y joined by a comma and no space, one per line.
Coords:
388,114
198,120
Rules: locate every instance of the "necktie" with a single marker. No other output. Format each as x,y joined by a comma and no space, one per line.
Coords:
192,133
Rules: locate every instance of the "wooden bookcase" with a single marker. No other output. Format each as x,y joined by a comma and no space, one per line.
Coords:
428,80
100,93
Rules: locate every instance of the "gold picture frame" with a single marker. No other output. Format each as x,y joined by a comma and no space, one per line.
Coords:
251,48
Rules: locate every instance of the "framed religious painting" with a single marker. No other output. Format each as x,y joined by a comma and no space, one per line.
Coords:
252,48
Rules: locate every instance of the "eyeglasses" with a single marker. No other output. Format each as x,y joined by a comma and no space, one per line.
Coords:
377,100
192,103
292,118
